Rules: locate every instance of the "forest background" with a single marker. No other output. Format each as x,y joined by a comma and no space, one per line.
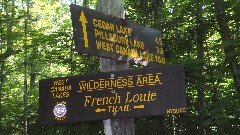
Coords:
36,42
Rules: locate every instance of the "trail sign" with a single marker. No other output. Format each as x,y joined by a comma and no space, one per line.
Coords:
115,38
109,95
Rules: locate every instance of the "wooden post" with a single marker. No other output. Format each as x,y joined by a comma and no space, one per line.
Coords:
124,126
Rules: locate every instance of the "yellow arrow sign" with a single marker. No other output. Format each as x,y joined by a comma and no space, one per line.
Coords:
138,106
100,110
83,19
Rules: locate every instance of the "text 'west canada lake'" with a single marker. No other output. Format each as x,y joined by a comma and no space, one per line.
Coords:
115,38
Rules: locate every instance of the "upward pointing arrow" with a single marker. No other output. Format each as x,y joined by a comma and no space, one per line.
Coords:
83,19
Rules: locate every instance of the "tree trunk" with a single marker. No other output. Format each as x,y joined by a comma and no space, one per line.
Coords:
200,56
1,95
158,5
5,54
33,65
123,126
25,92
225,33
85,3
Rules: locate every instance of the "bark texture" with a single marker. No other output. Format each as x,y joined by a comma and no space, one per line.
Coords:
200,55
229,50
123,126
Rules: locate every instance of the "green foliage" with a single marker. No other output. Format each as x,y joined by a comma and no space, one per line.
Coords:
178,25
48,53
224,116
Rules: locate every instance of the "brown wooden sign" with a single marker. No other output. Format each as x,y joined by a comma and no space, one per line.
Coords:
109,95
115,38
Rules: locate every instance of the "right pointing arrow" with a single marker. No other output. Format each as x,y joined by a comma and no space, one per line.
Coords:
138,106
83,19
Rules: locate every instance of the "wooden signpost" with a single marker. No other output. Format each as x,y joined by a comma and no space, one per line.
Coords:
115,38
111,95
114,95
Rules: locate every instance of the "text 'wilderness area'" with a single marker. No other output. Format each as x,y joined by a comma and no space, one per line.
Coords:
131,93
